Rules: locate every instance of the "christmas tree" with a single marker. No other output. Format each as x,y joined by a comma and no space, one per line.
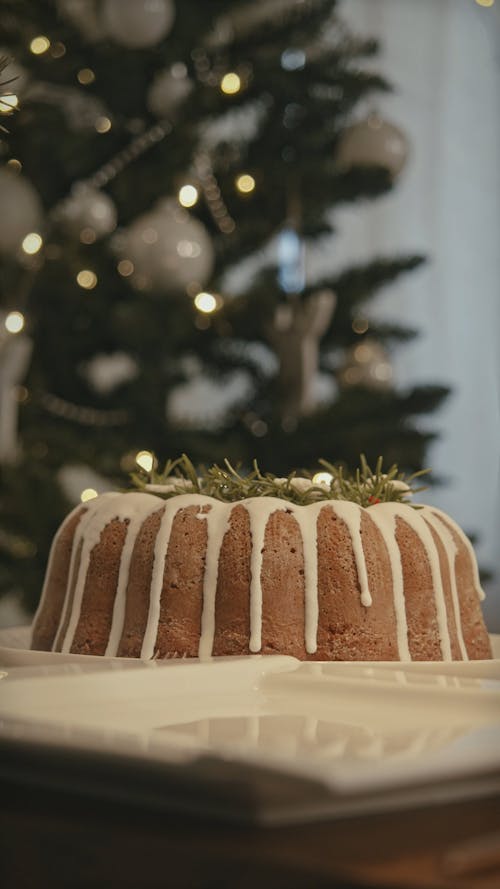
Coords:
165,175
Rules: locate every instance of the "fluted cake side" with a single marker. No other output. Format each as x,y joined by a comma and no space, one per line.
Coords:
132,575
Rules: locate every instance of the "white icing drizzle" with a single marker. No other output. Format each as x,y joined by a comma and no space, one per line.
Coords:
159,556
48,571
143,505
446,538
92,507
416,520
445,519
259,510
102,511
385,521
217,520
307,520
350,513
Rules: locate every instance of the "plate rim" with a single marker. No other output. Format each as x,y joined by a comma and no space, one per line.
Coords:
57,657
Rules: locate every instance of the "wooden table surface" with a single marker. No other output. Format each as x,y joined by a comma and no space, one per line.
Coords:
58,838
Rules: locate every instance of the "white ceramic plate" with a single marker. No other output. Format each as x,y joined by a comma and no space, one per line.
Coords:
264,738
15,652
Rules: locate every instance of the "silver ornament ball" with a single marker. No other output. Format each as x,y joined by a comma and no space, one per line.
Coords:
137,24
373,142
168,248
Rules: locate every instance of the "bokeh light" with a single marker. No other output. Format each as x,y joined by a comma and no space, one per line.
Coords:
245,183
85,76
102,124
145,460
205,302
86,279
322,478
188,195
31,243
39,45
14,322
230,83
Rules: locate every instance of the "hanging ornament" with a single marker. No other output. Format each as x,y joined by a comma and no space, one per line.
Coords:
88,213
137,23
168,249
168,90
21,210
366,364
373,142
294,334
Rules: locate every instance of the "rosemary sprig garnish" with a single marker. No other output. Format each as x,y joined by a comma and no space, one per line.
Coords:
365,486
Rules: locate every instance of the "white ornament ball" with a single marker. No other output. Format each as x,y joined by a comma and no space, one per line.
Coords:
367,364
22,210
168,248
88,208
373,142
168,90
137,23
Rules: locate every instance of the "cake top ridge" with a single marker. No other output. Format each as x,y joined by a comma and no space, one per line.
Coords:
365,486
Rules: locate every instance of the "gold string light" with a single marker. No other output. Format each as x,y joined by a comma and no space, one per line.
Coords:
87,279
188,195
230,83
322,478
8,103
88,494
14,322
102,124
39,45
205,302
125,268
145,460
245,183
85,76
32,243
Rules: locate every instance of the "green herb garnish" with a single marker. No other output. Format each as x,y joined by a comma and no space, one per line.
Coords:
364,487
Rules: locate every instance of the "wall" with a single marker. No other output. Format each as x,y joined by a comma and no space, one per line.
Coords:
443,56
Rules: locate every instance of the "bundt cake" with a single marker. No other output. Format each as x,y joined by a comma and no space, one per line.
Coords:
342,569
